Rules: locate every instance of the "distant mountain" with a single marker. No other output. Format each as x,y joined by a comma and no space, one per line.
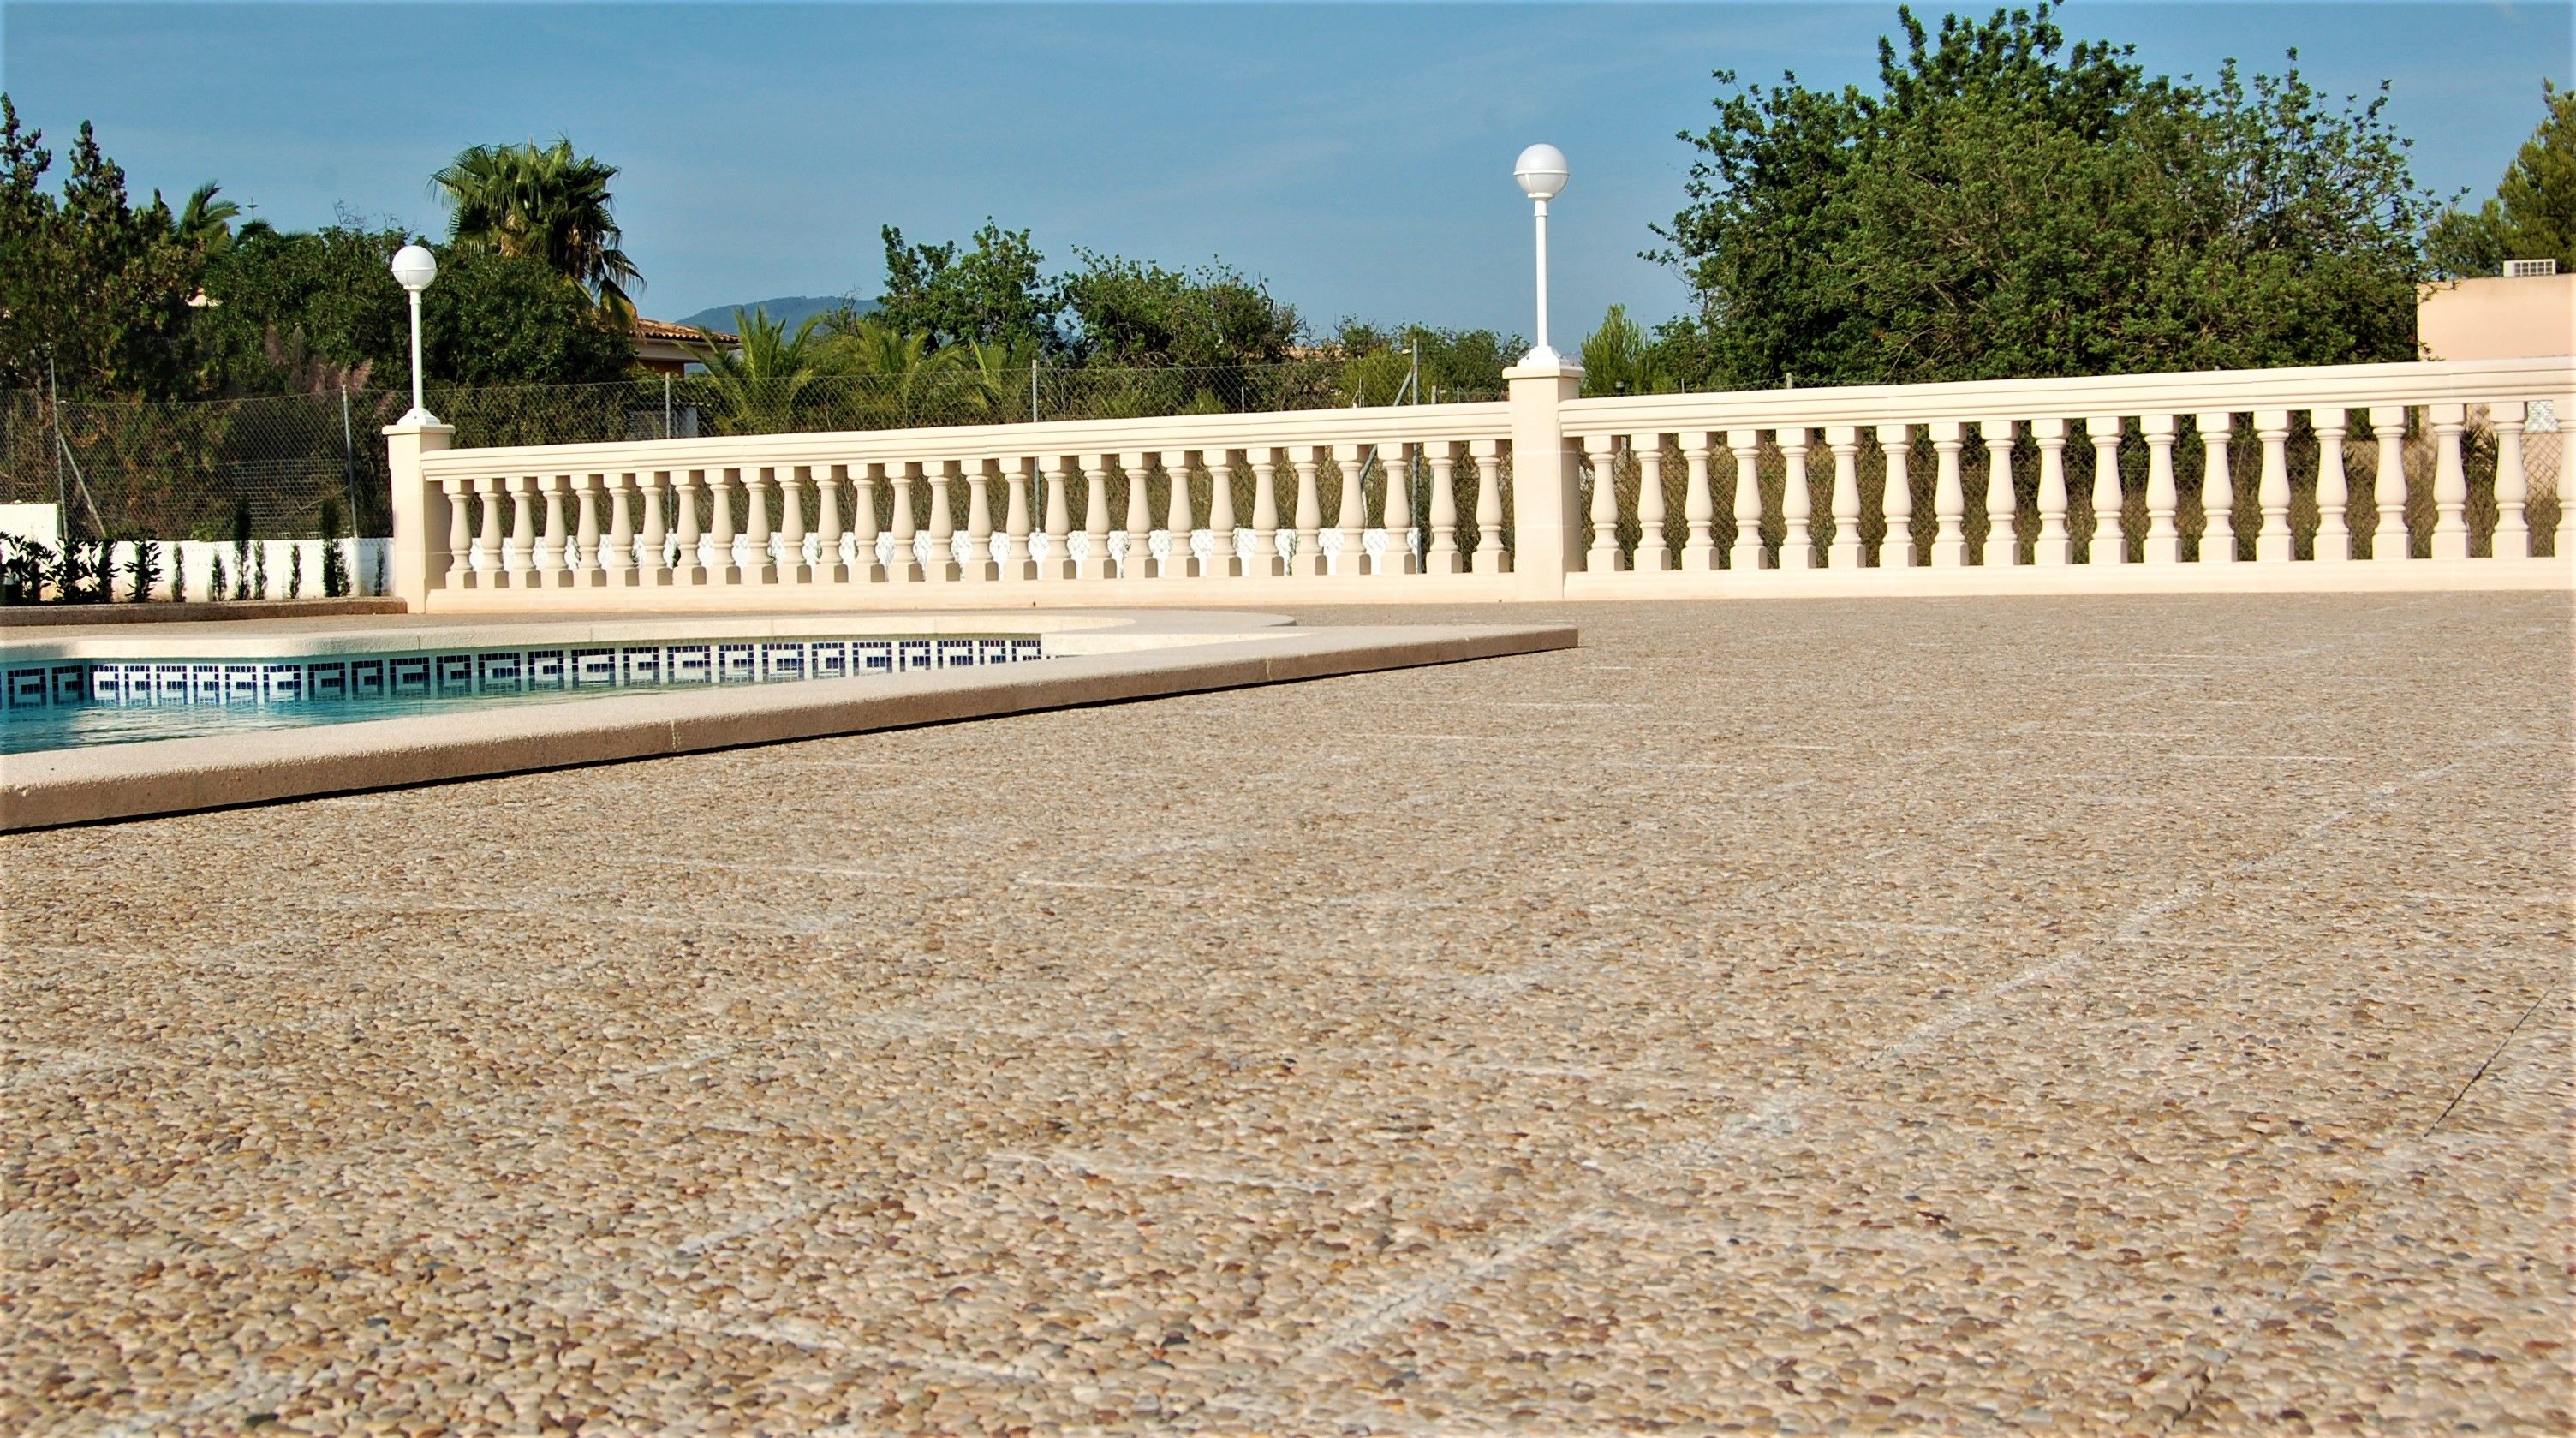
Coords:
788,310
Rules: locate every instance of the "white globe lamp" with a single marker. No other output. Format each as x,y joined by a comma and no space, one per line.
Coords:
1541,171
414,268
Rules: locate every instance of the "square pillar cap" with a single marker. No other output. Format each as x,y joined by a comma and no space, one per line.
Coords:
420,422
1544,364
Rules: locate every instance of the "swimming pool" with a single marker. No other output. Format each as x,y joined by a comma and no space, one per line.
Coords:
76,703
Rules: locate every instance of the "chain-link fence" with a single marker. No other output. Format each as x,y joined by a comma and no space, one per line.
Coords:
201,470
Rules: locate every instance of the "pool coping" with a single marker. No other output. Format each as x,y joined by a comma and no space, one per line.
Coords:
192,611
55,787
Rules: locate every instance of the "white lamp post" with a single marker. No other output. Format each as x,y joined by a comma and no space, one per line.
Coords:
414,268
1541,171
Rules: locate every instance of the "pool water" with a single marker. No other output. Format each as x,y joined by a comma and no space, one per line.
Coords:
76,703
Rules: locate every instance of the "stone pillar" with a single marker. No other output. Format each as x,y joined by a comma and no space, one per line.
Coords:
420,513
1546,527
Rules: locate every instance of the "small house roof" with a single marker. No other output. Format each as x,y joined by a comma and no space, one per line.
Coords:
645,329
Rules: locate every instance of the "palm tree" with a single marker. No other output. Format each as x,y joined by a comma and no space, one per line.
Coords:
767,384
546,204
997,378
907,379
206,222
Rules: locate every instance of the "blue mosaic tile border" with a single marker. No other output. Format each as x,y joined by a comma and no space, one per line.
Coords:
464,674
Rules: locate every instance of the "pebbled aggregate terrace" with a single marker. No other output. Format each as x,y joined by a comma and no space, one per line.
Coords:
2081,1016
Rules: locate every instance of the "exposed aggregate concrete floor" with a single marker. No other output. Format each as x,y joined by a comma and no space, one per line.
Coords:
2086,1016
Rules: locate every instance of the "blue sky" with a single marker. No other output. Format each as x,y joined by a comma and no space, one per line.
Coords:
1357,157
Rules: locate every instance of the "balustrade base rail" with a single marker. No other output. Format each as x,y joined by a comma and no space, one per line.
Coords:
2417,576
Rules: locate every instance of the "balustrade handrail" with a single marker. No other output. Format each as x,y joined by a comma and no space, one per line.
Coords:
1418,424
2316,386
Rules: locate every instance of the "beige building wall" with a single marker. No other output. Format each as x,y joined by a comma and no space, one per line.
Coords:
2496,318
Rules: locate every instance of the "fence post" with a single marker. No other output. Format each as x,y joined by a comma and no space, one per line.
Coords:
420,516
1547,527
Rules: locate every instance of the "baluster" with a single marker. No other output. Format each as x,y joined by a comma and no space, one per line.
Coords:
1058,518
460,553
487,540
1797,500
550,543
828,528
2108,497
758,527
617,551
1896,497
1174,562
1139,523
1221,525
2217,488
1699,507
940,475
1441,555
1746,553
1014,565
792,568
1023,501
1095,516
2056,543
2002,548
1265,514
1601,451
2274,542
1061,472
1844,502
1395,509
2389,538
519,554
2512,538
657,530
2333,543
979,523
1349,514
2164,490
864,529
1486,455
2450,482
1654,547
901,567
726,569
1950,496
1310,510
685,487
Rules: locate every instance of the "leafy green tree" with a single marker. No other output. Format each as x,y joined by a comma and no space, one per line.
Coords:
990,294
289,307
90,282
1132,313
2007,204
547,204
505,319
2533,214
1453,362
310,312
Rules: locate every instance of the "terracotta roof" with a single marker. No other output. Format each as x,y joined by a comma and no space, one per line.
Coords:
688,334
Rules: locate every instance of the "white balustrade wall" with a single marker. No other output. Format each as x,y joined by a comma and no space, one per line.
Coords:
2363,476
